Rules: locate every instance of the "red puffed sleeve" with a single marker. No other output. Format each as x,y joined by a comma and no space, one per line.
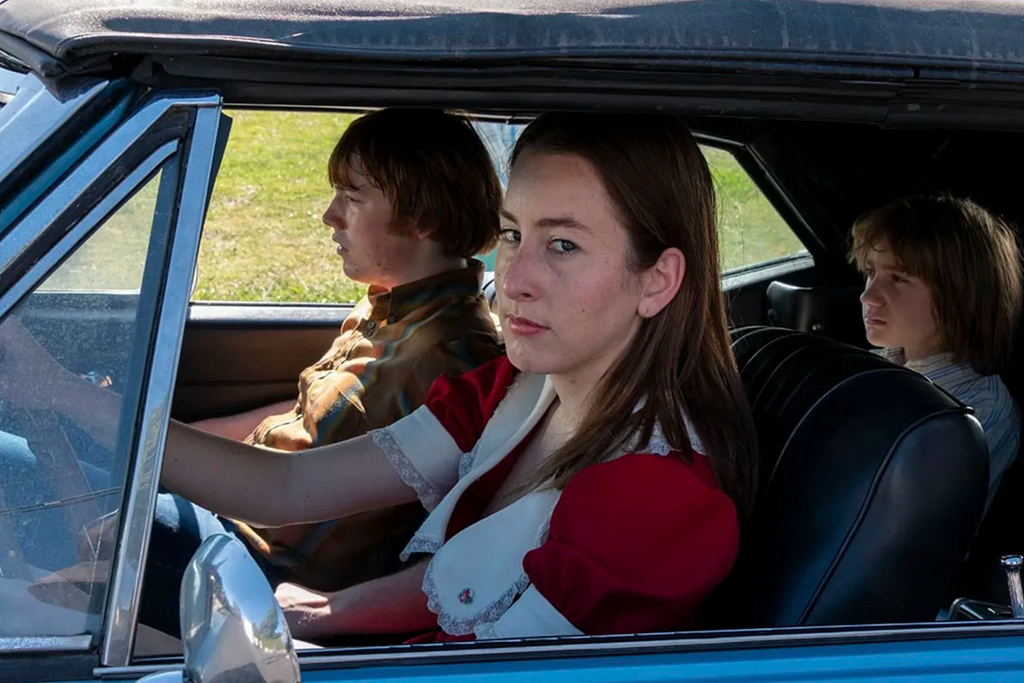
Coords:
636,544
464,404
426,445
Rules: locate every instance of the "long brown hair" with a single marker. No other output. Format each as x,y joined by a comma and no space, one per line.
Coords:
969,258
680,362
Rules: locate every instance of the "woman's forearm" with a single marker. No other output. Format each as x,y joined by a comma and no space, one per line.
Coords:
241,425
273,488
225,476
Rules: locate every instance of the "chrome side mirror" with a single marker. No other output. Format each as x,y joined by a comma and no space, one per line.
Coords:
232,628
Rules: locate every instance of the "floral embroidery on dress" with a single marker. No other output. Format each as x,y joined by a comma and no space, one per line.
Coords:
428,495
483,622
455,626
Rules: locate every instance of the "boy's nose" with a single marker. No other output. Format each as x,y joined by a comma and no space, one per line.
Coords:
870,296
332,220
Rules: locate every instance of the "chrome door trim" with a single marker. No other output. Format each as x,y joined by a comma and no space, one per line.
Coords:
80,643
126,583
534,649
36,113
766,271
83,228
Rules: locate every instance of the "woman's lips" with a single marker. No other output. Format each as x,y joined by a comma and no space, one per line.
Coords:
874,322
524,327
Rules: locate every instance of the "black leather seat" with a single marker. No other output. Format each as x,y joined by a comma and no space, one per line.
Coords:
872,486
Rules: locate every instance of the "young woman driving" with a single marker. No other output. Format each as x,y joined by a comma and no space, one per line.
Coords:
589,482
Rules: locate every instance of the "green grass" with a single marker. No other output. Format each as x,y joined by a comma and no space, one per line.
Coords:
750,230
264,240
114,257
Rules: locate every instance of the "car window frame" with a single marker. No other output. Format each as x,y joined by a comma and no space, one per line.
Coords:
176,128
748,156
53,127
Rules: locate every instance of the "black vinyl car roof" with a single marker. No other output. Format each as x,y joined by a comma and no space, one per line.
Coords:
972,35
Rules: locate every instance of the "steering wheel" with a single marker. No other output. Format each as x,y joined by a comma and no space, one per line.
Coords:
58,465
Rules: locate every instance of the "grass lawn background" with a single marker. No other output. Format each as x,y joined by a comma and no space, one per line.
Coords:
264,240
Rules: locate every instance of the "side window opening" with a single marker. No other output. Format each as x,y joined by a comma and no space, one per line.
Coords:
264,241
751,231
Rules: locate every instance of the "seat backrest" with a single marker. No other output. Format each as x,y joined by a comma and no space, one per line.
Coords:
873,482
829,310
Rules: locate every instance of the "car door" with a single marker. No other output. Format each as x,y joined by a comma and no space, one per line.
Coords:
104,187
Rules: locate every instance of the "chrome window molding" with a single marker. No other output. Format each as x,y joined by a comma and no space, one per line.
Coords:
83,228
618,646
768,270
584,646
63,157
126,582
46,644
119,147
36,113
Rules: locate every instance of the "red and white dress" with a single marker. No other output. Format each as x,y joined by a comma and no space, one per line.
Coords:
630,545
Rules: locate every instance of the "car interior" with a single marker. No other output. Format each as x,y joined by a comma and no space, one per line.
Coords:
844,513
859,512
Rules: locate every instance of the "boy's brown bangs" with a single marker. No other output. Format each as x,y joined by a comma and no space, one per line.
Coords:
347,149
887,225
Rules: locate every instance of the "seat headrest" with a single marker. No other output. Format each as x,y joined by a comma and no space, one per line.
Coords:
872,485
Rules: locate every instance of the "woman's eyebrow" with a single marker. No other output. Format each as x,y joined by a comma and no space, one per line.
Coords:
561,222
555,222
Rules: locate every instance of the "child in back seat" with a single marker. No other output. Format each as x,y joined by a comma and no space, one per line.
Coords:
942,296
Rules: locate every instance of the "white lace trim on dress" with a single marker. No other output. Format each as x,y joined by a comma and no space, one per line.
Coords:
427,494
455,626
485,618
420,543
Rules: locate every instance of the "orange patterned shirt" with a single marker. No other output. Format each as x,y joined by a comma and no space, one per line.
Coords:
379,369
